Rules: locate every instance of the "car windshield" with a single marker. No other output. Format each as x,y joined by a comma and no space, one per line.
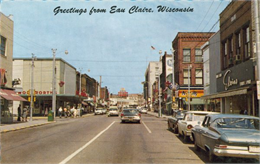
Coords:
113,109
132,111
239,123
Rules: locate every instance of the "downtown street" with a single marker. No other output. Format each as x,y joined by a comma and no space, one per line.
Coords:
101,139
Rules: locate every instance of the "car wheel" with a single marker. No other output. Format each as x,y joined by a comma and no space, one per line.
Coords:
169,127
185,138
176,130
122,121
212,157
139,122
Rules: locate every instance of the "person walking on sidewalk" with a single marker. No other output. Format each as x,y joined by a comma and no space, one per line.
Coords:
19,113
75,112
24,114
65,112
60,112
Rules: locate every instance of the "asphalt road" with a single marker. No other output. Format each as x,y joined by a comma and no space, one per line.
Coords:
99,139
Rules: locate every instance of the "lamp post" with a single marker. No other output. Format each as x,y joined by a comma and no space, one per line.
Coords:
80,69
54,82
173,80
189,67
32,89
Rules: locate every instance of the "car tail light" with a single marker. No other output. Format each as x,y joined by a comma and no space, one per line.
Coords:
122,114
139,114
221,146
189,126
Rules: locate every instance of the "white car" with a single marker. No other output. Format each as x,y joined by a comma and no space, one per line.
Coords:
190,119
143,110
113,111
98,111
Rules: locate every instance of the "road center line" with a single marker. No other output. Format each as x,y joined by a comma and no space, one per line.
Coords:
146,127
83,147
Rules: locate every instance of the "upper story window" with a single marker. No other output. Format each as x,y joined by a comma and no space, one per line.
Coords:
199,76
247,43
186,76
3,46
198,55
238,44
186,55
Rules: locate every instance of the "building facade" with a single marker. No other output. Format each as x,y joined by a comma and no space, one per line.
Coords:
236,82
152,73
188,69
7,93
43,75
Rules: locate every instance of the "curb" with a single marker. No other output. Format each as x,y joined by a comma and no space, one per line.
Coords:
24,127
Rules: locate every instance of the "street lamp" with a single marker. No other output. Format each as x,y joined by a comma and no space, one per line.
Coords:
189,67
32,89
173,80
54,81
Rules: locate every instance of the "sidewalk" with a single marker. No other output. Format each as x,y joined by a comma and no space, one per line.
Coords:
37,121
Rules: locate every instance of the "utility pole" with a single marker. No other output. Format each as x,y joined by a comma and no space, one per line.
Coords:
54,83
257,33
100,87
80,69
189,67
173,80
32,89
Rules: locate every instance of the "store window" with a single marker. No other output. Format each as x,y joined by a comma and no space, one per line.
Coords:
198,55
199,76
3,46
186,55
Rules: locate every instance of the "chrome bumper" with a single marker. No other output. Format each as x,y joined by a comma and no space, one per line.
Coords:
235,153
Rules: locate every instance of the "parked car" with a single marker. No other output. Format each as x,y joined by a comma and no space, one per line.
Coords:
104,110
190,119
176,116
113,111
144,110
130,115
229,135
98,111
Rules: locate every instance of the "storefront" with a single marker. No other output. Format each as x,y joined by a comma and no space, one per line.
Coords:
236,90
43,101
7,97
196,103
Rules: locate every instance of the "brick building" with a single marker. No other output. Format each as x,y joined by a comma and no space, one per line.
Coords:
188,68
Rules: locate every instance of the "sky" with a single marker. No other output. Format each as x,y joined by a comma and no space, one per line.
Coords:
107,38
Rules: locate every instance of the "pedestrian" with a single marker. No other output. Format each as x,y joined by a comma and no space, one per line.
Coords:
25,114
75,112
60,112
65,112
19,113
245,112
46,111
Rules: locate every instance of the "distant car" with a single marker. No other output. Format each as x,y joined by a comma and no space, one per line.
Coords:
229,135
130,115
113,111
104,110
98,111
143,110
190,119
176,116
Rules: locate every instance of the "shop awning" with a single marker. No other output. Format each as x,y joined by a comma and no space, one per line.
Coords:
10,95
226,94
